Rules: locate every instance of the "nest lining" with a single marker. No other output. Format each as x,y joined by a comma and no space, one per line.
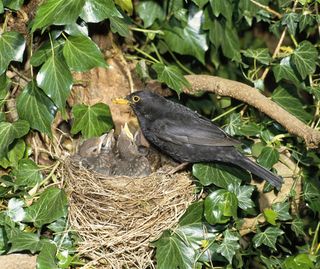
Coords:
117,217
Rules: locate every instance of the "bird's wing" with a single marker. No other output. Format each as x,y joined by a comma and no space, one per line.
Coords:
199,132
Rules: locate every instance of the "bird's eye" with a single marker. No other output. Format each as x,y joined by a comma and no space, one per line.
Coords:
135,98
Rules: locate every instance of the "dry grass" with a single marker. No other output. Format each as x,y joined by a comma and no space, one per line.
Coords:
118,217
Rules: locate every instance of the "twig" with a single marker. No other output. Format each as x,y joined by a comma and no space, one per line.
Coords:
250,95
270,10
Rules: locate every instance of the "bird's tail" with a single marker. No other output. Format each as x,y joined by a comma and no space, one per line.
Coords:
259,171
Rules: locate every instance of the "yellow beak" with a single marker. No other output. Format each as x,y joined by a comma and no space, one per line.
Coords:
120,101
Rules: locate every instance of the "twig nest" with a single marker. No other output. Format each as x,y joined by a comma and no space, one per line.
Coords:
118,217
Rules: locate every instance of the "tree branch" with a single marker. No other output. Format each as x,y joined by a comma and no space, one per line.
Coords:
250,95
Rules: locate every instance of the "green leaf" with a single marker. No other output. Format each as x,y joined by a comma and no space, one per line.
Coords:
243,194
297,227
173,253
98,10
200,3
291,103
35,107
75,29
47,256
91,120
291,21
222,175
58,12
305,21
9,132
229,245
186,41
12,45
267,238
13,4
282,209
45,51
82,54
304,58
268,157
15,154
51,205
15,209
286,71
5,84
270,215
193,214
55,79
149,11
125,5
25,241
261,55
219,206
172,76
27,174
230,44
223,7
120,26
302,260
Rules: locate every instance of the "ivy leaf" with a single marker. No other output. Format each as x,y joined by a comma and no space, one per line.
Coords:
172,76
173,253
268,157
221,175
25,241
261,55
15,154
243,194
5,84
193,214
45,51
270,215
98,10
82,54
302,260
200,3
267,238
35,107
304,58
297,227
291,21
51,205
55,79
150,11
47,256
9,132
120,26
186,41
13,4
282,209
125,5
291,103
223,7
15,209
229,245
75,29
230,44
219,206
58,12
27,174
12,45
91,120
285,70
304,21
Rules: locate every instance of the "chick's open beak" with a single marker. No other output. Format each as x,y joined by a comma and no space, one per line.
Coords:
121,101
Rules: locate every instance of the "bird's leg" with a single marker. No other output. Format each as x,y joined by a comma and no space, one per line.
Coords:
180,167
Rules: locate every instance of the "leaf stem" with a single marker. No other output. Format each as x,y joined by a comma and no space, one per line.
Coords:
147,55
226,113
147,31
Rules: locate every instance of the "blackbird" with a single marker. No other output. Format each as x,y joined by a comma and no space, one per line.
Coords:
186,136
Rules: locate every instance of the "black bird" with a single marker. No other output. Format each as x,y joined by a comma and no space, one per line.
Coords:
187,136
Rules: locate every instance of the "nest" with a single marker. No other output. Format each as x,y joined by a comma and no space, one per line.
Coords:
117,218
